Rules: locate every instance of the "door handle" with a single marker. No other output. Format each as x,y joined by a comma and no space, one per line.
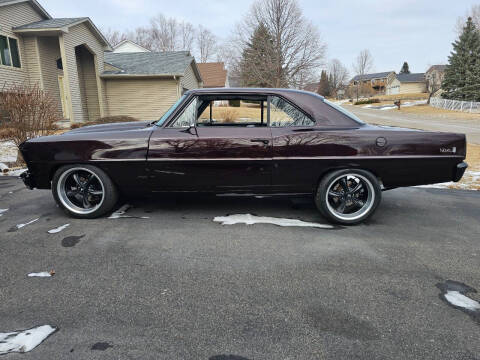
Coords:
263,141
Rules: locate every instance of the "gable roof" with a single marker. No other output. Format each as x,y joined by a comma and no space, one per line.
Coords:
131,43
61,25
169,63
380,75
416,77
57,23
213,74
34,3
437,67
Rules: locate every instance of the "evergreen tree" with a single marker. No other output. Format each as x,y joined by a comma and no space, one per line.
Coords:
324,86
405,69
462,75
257,66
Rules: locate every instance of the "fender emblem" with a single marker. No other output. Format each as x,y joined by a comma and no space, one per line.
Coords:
453,150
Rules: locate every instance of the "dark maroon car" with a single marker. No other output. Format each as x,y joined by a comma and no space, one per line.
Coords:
243,142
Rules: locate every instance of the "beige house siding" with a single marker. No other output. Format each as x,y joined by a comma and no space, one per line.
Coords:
81,35
10,17
30,60
410,88
49,53
145,99
189,80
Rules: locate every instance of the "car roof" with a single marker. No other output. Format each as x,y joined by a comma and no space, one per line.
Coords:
253,91
308,102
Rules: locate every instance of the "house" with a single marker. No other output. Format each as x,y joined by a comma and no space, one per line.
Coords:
129,47
144,85
66,57
312,87
434,77
376,83
213,74
407,84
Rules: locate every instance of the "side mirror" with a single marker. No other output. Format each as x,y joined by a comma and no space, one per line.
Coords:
192,130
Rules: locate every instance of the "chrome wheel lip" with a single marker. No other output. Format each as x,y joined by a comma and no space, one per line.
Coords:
363,210
62,195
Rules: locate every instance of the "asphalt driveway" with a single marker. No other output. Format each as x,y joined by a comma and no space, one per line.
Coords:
176,285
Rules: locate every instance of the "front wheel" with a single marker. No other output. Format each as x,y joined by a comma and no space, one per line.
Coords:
84,191
348,196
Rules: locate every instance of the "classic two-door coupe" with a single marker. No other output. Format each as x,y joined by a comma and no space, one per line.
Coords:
243,142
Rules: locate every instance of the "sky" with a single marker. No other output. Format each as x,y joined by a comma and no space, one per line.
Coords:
417,31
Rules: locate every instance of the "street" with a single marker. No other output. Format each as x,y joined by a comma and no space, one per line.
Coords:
470,127
169,283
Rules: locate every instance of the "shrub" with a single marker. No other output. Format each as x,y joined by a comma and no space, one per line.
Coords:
234,103
31,112
228,114
105,120
367,101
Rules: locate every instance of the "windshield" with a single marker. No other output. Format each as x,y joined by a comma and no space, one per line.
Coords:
169,111
345,112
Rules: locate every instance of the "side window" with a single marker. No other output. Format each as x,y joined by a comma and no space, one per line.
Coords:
187,117
283,114
9,55
241,112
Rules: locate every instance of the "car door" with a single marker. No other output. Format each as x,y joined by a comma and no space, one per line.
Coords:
294,138
225,154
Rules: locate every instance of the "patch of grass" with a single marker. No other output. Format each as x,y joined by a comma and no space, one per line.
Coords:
367,101
412,96
425,109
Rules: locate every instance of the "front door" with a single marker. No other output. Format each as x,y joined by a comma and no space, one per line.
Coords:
215,144
63,97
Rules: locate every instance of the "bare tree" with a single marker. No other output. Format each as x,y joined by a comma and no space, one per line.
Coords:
299,51
187,35
31,112
434,83
474,13
164,33
363,63
114,37
338,74
206,44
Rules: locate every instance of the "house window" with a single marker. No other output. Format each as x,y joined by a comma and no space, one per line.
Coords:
9,54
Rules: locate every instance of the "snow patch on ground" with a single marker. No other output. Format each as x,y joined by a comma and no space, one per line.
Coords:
120,213
16,172
40,274
470,181
3,211
458,299
8,151
19,226
25,340
249,219
58,229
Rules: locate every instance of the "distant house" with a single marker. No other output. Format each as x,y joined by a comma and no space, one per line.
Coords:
127,46
144,85
377,82
434,77
213,74
71,59
312,87
407,84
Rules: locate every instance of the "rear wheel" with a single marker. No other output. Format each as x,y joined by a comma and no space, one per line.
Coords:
348,196
84,191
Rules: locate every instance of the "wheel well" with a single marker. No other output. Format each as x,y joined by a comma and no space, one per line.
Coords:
329,170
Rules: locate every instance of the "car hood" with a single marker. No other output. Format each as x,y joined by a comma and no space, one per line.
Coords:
122,126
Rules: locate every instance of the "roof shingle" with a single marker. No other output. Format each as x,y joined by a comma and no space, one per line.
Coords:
149,63
213,74
417,77
50,23
372,76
